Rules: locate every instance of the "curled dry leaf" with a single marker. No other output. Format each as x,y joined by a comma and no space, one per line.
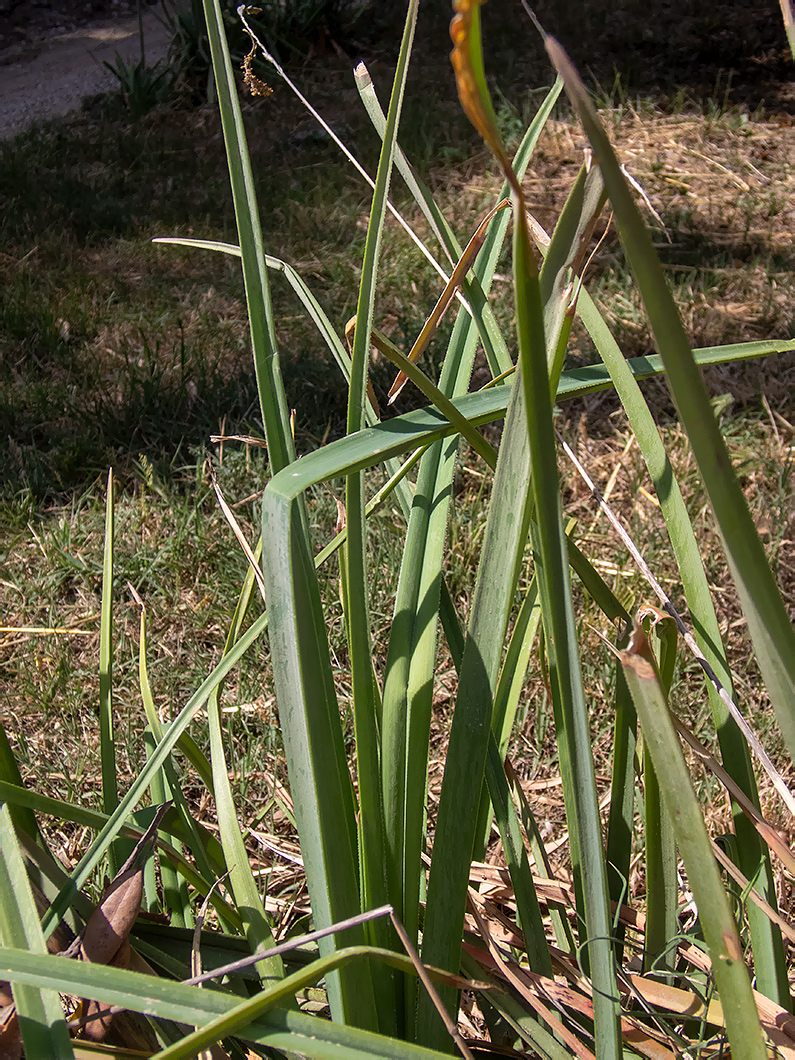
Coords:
113,918
96,1030
106,939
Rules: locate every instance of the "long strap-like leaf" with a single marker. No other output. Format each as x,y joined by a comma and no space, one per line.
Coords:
275,414
768,622
38,1009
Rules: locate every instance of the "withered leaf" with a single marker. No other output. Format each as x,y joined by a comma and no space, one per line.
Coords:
112,920
97,1029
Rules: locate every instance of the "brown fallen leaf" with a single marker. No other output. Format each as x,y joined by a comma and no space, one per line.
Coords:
106,939
96,1030
115,915
112,920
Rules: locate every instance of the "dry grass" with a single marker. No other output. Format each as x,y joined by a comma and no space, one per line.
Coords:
122,314
711,182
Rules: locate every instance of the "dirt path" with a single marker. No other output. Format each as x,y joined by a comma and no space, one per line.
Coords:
54,76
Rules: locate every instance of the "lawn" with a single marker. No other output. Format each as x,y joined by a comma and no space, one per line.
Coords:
119,352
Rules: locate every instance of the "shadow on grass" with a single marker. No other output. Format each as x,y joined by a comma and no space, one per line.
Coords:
108,350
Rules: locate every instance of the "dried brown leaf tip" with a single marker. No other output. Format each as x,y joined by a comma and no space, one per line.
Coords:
106,939
471,83
639,654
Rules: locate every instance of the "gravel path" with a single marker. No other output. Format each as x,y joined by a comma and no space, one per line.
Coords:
53,77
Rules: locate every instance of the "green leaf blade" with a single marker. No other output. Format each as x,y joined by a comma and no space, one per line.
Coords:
39,1010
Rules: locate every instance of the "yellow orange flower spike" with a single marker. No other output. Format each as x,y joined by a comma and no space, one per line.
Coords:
467,60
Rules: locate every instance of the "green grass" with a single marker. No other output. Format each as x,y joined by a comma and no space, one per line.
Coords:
117,352
112,347
175,547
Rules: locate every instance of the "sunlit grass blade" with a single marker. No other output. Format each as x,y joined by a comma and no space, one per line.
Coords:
165,785
273,404
770,963
39,1010
527,906
408,679
319,778
187,744
138,788
559,626
621,813
241,880
514,668
366,709
494,579
594,377
117,852
494,346
661,883
530,420
437,221
715,916
662,891
768,622
248,901
504,811
175,893
279,1029
456,827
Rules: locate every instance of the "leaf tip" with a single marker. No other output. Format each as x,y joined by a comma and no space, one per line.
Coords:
638,656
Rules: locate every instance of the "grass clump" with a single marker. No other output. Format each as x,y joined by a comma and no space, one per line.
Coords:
369,715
